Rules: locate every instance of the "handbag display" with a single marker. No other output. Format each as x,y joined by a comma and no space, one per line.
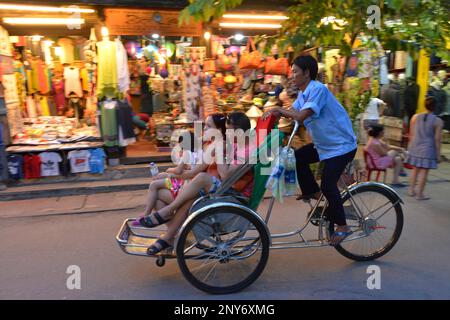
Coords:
278,66
251,60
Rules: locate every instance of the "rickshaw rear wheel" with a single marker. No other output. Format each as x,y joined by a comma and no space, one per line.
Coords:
379,239
221,252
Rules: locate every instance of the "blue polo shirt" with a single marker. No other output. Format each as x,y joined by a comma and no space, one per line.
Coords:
330,126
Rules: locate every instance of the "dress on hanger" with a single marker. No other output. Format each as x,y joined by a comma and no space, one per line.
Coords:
73,83
60,100
107,83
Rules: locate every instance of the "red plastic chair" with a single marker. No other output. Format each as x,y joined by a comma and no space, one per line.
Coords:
370,167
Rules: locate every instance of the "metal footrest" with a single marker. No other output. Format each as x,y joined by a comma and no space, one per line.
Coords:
136,240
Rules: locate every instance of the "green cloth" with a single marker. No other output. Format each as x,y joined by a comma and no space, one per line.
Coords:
107,82
261,177
109,123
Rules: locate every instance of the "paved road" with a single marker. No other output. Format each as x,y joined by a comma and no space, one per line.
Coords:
36,251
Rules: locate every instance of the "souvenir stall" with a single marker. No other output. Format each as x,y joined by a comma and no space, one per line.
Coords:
51,98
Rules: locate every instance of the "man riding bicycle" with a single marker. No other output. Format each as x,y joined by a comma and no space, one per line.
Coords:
334,142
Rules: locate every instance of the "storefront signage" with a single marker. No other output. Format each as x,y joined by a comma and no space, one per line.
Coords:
146,22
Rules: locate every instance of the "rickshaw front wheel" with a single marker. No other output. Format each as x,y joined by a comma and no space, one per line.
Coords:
223,249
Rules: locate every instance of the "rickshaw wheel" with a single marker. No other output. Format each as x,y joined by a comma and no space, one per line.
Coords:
230,250
382,230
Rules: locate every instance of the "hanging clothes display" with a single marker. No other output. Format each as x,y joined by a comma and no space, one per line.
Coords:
58,88
107,83
125,124
15,167
50,164
97,160
123,75
32,166
72,82
67,52
79,160
45,109
109,123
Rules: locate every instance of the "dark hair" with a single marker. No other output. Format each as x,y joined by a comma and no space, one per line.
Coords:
375,130
307,63
239,120
189,135
430,103
220,120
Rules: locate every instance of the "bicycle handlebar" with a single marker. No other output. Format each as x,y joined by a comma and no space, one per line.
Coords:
297,125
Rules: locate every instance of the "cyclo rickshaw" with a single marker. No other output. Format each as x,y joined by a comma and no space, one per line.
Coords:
224,244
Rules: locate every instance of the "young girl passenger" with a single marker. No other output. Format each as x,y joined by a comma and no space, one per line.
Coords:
189,166
203,183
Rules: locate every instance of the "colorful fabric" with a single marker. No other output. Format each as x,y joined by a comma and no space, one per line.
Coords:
50,164
73,83
107,81
15,167
97,160
79,161
32,166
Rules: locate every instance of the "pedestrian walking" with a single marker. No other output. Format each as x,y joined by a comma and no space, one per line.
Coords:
424,147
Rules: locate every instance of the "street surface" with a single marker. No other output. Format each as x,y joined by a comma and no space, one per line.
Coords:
41,238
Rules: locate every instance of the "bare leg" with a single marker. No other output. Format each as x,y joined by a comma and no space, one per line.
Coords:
398,164
423,174
412,182
152,195
177,221
188,192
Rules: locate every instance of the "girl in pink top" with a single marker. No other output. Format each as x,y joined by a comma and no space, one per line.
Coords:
384,155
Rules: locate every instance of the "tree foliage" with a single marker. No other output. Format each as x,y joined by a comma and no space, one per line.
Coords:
404,24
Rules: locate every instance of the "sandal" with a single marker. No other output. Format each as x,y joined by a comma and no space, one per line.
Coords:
423,198
162,245
136,222
147,221
342,234
411,194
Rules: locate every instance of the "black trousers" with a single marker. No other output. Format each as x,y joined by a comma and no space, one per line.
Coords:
332,171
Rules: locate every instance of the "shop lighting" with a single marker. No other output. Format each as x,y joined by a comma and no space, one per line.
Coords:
250,25
255,17
155,36
207,35
238,37
105,32
58,51
43,21
72,9
36,38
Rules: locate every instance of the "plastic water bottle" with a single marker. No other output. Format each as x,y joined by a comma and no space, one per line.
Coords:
290,180
153,169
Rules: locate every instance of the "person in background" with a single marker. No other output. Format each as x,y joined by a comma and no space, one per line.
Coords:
371,115
385,155
424,147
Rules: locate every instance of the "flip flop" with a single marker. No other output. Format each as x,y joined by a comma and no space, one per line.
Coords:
341,234
147,221
136,222
153,250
